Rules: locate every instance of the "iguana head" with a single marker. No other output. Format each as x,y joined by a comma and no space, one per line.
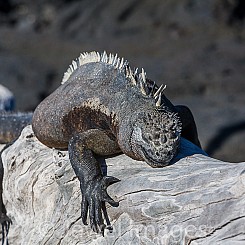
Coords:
155,136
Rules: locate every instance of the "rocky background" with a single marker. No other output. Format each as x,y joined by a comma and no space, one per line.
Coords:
195,47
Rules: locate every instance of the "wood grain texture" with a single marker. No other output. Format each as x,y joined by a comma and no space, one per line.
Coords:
197,200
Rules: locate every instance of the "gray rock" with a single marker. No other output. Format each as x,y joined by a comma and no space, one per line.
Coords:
26,78
195,47
197,200
6,99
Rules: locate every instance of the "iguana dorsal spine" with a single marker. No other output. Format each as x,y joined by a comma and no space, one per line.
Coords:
136,78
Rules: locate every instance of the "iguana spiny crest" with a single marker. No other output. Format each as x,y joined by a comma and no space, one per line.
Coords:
138,79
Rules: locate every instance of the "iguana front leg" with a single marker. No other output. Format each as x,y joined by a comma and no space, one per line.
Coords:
82,149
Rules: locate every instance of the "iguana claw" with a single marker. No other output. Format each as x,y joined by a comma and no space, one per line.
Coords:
93,196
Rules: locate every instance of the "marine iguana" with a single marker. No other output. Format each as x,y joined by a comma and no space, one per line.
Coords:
103,108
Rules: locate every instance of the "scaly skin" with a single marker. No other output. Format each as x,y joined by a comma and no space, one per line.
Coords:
103,108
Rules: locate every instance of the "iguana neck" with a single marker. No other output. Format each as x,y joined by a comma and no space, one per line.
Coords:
125,131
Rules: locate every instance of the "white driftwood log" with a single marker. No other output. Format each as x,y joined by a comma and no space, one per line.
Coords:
198,200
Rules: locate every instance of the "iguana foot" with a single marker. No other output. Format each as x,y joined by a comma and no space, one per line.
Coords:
94,195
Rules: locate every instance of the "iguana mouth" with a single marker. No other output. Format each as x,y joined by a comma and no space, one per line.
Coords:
153,162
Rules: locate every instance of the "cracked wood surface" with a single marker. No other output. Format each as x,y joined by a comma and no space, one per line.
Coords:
197,200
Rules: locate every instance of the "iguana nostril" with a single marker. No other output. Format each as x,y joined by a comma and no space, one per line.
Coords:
163,139
157,143
156,136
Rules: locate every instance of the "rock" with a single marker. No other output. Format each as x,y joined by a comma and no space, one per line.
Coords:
6,99
197,200
195,47
26,78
